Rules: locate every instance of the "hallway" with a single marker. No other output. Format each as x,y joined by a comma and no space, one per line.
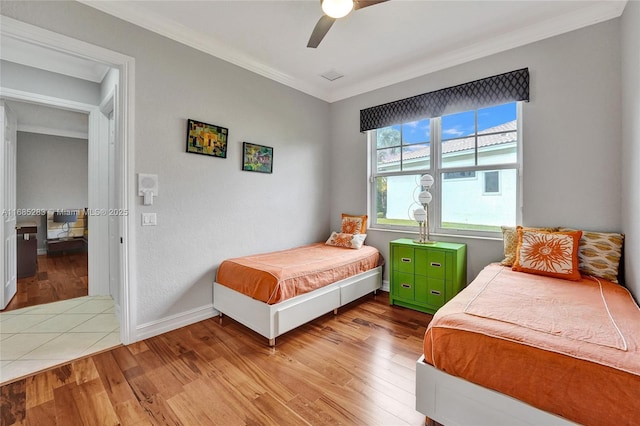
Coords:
51,319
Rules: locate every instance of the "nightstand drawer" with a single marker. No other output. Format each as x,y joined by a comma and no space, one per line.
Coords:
431,263
404,259
405,286
436,294
430,291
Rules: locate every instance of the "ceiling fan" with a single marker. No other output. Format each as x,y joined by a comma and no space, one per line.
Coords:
333,10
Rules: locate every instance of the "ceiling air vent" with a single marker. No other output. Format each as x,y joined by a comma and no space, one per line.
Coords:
332,75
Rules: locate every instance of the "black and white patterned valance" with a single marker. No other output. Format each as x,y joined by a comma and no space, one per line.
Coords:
499,89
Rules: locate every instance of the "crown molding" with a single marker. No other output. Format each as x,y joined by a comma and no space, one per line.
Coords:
593,14
182,34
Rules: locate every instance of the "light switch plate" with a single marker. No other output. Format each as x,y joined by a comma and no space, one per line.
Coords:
149,219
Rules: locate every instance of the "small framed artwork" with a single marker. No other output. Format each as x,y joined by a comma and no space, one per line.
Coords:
257,158
206,139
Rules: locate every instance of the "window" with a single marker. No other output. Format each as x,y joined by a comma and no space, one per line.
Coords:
492,182
458,175
474,157
402,154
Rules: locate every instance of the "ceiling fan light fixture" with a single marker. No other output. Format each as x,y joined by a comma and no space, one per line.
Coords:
337,8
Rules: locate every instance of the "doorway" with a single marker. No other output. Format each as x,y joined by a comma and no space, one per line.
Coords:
51,200
100,201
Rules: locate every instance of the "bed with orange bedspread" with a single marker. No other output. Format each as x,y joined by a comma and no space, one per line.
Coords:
570,348
272,293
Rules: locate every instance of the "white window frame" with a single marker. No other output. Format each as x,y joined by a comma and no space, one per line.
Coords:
436,171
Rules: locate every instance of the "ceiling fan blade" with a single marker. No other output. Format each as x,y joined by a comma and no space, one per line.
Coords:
359,4
320,30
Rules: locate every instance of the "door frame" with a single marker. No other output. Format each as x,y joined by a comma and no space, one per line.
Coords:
8,228
125,138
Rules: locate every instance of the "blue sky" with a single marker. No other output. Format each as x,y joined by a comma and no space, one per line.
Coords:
461,124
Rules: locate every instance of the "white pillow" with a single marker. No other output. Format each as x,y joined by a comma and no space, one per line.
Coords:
339,239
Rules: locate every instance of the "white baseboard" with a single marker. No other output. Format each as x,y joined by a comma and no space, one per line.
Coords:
385,285
173,322
42,251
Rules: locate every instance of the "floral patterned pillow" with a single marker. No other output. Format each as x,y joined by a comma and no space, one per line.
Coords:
553,254
354,224
341,239
510,241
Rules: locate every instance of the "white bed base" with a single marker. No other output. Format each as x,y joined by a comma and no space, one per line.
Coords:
453,401
273,320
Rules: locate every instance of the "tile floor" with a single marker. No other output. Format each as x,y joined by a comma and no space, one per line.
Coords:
39,337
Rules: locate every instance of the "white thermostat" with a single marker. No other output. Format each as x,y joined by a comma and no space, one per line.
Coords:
147,187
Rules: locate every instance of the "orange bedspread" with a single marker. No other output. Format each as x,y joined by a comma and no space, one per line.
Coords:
277,276
569,348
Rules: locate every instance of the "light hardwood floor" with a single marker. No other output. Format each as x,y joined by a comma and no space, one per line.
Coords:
356,368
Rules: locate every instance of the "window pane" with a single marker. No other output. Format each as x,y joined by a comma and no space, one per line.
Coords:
499,148
388,136
388,160
416,157
492,182
458,125
459,175
416,132
465,204
459,152
395,199
497,118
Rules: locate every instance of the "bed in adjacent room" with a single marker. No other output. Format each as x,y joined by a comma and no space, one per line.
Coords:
520,347
272,293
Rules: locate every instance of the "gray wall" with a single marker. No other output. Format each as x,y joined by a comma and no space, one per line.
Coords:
631,144
571,136
51,173
208,208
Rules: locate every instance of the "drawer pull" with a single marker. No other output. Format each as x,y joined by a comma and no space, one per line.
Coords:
406,285
406,259
436,292
436,264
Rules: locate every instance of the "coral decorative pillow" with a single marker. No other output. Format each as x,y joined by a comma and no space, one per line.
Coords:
340,239
554,254
354,224
510,241
600,253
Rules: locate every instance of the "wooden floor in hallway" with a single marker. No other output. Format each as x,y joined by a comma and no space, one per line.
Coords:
58,277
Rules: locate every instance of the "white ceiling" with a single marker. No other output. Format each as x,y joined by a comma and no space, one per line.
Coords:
373,47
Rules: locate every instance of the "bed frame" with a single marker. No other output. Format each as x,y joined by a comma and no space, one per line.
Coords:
273,320
454,401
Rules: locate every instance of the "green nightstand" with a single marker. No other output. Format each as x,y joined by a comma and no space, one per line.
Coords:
426,276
